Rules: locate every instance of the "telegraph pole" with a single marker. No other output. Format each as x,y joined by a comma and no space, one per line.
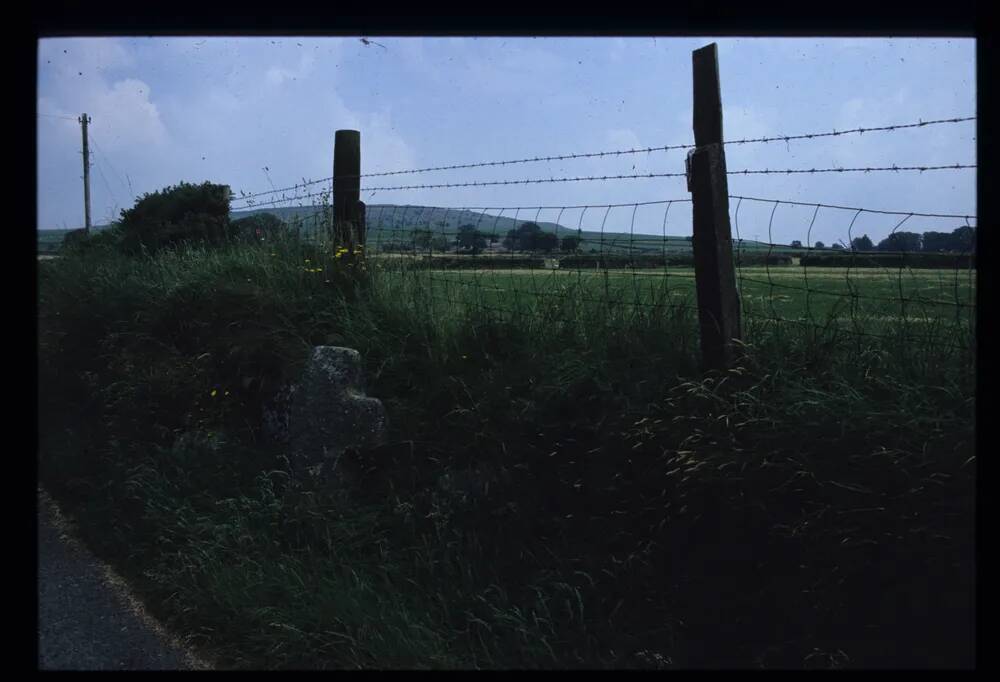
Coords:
86,174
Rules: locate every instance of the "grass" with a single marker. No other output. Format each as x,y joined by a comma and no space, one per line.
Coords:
561,488
794,293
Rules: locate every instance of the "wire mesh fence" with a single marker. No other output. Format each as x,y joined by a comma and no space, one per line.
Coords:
912,287
627,264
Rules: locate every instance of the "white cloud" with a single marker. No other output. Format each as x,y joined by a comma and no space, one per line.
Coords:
383,147
509,70
123,115
277,75
622,138
127,113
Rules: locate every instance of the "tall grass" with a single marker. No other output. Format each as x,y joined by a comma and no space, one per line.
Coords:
561,486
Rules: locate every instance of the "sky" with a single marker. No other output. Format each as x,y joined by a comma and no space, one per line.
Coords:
258,113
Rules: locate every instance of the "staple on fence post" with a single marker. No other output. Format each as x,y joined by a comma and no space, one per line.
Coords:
715,276
348,210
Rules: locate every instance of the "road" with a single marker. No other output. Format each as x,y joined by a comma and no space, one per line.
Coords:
87,618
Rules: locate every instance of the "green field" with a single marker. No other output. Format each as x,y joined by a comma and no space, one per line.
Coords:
49,241
870,301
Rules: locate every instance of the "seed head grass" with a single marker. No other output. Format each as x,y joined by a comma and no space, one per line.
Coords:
561,487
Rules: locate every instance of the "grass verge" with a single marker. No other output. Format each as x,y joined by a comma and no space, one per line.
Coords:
561,488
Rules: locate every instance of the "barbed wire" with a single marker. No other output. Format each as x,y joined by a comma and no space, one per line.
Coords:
633,176
859,131
871,169
303,184
648,150
637,176
621,152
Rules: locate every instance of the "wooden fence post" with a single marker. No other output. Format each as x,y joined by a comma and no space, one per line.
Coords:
715,276
348,210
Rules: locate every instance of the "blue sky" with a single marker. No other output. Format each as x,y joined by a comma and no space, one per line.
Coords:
225,109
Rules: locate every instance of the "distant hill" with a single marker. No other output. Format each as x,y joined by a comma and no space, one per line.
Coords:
396,223
49,241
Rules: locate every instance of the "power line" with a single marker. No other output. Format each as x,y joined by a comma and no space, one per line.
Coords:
110,165
106,185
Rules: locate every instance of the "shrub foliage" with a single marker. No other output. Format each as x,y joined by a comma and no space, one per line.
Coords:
184,213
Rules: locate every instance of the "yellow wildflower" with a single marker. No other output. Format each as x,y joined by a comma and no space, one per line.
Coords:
214,392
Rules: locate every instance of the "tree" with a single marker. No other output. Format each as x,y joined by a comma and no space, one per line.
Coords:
901,241
439,243
470,239
820,245
936,242
862,243
964,238
547,242
961,239
184,213
524,238
422,238
836,246
796,244
570,244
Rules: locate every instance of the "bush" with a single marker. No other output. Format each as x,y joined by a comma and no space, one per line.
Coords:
175,215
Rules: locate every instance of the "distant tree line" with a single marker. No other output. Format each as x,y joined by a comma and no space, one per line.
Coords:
528,236
959,240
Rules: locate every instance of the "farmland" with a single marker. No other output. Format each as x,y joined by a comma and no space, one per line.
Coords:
875,300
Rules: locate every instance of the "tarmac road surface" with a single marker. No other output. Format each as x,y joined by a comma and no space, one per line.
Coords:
87,619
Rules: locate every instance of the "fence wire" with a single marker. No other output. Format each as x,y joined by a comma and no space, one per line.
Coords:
294,188
902,279
252,203
626,264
